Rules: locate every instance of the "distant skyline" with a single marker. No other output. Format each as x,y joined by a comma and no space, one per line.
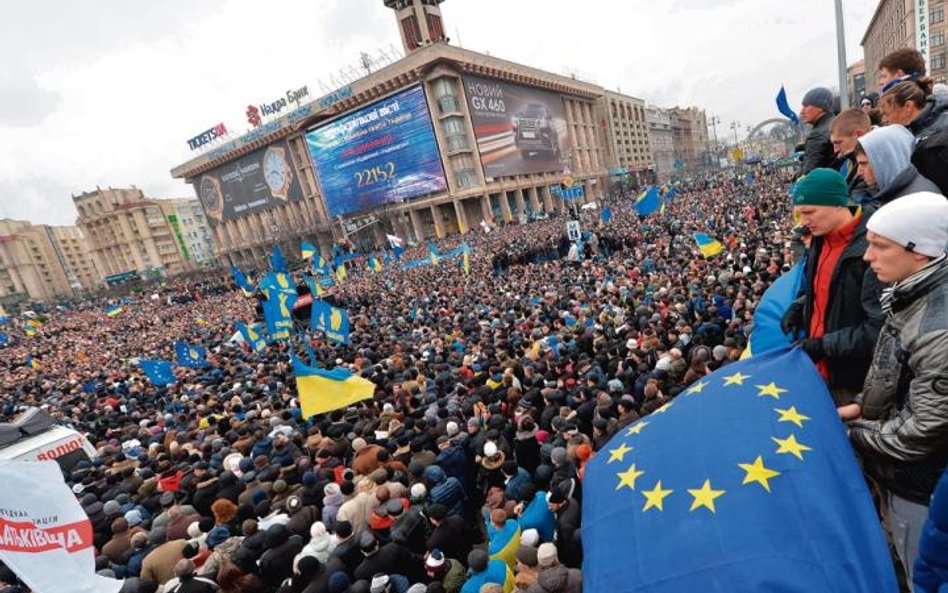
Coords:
108,92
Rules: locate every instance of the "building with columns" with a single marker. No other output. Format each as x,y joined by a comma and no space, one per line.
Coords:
624,124
897,24
431,144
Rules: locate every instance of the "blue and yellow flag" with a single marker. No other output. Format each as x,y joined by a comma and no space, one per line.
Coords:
709,247
648,202
341,273
433,253
767,335
745,482
113,310
307,249
159,372
332,321
374,264
191,356
322,391
32,362
321,267
315,288
253,335
278,313
240,279
29,330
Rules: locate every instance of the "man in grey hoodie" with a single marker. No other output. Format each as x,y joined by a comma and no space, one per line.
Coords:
884,157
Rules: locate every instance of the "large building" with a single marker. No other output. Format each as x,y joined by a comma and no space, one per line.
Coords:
128,235
856,79
624,124
906,23
42,262
662,141
690,133
190,228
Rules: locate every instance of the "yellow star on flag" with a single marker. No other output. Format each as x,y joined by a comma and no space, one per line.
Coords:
704,496
735,379
618,453
696,388
655,496
636,428
664,408
756,472
628,477
790,445
770,389
791,415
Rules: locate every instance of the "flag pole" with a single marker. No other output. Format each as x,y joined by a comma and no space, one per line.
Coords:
841,58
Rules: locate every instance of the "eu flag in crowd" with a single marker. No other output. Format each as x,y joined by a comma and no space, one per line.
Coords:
322,391
332,321
648,202
190,355
159,372
783,106
744,482
766,334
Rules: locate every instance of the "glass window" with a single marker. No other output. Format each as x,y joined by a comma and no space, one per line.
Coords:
938,15
938,38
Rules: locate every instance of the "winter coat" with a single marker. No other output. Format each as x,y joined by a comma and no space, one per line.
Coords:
349,553
452,538
444,490
931,566
321,545
931,135
851,330
454,577
902,434
158,565
453,462
497,572
558,579
537,515
331,504
567,534
276,564
889,151
390,559
512,489
818,150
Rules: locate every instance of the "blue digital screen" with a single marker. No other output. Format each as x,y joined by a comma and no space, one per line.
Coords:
385,152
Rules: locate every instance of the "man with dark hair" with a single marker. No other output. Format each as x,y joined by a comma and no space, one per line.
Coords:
845,132
884,158
818,112
902,64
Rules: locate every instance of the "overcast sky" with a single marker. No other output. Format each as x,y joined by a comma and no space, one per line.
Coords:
106,92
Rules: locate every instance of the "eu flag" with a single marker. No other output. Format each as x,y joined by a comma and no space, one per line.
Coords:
746,481
190,355
766,333
159,372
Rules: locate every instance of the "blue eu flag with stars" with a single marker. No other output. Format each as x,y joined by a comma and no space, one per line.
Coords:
744,482
190,355
159,372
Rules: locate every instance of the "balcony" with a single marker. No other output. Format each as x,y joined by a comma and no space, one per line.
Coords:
449,104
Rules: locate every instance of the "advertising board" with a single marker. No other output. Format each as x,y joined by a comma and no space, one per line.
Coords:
385,152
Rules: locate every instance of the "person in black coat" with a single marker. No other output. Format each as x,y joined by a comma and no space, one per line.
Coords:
391,558
450,534
228,487
347,550
276,564
568,518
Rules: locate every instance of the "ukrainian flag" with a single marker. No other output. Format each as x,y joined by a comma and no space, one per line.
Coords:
341,272
113,310
374,264
307,250
34,323
31,362
708,246
503,543
433,251
322,391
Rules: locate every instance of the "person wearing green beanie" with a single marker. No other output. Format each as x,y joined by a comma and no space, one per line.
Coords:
838,313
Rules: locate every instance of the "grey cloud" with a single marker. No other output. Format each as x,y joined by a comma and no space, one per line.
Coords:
24,103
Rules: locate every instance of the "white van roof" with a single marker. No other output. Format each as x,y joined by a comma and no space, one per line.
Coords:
48,437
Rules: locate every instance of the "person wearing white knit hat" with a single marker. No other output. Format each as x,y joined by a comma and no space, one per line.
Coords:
898,423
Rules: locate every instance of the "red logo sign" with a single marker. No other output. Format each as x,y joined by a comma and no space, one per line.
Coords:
253,115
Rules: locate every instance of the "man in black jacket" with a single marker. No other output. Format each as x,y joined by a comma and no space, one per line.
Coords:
818,112
568,518
450,534
838,308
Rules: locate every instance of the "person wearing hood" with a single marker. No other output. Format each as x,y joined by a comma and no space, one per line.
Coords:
321,544
332,500
899,421
444,490
884,158
914,104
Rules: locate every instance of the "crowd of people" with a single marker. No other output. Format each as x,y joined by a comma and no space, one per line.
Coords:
494,387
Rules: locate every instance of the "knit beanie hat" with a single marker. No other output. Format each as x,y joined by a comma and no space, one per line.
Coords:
918,222
527,555
546,554
821,187
820,97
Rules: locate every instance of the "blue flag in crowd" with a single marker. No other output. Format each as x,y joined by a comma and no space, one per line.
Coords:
744,482
277,263
241,280
4,339
767,334
4,319
784,107
321,266
278,313
159,372
190,355
253,335
332,321
648,203
606,214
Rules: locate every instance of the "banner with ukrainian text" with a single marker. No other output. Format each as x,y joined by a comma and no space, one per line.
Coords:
45,536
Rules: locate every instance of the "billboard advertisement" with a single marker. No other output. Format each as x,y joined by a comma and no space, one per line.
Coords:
519,130
385,152
257,181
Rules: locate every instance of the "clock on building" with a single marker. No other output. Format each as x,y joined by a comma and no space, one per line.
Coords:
211,197
277,172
